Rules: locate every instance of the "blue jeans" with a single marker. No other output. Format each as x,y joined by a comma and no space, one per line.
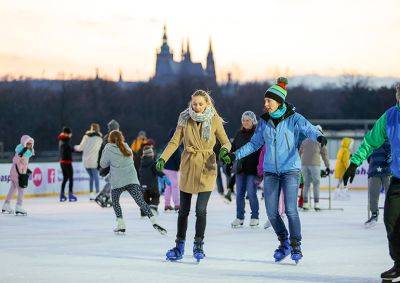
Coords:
94,177
245,182
289,183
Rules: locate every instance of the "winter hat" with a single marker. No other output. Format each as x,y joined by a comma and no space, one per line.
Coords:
142,133
251,116
278,90
66,130
113,125
148,150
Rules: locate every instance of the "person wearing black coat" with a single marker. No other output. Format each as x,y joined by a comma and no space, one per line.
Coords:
148,177
246,172
66,149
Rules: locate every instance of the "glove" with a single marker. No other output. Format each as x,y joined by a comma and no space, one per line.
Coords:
22,151
327,171
322,140
222,154
226,157
258,180
160,165
166,180
350,173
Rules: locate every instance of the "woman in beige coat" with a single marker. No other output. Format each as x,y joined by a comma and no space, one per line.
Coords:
198,128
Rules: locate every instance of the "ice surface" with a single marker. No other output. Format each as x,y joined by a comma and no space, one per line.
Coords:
74,242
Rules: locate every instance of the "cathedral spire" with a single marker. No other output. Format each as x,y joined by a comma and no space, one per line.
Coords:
210,67
188,56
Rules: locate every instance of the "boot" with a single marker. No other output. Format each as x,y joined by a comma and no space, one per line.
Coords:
198,252
296,253
316,206
371,222
283,249
391,274
177,252
19,210
254,222
63,198
237,223
120,228
7,208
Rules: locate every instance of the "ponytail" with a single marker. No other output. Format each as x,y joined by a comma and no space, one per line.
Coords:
117,138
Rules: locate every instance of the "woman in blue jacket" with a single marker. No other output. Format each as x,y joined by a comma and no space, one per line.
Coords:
280,130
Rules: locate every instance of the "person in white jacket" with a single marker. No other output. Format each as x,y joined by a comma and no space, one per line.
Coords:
90,146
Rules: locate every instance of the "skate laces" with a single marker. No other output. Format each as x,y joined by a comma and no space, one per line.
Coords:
198,247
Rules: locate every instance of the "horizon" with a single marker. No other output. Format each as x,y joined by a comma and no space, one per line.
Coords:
54,40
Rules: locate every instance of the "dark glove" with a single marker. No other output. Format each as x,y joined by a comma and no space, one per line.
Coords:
160,165
350,173
322,140
104,171
22,152
327,171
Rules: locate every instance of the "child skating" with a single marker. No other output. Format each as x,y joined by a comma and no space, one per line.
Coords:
123,177
23,152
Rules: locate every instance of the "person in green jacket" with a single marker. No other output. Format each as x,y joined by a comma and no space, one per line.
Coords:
387,127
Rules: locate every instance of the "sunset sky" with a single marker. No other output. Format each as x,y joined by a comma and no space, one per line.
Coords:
252,39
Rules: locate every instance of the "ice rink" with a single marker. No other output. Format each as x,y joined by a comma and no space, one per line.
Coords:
74,242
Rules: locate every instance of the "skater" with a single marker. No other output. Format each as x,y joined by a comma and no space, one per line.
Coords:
66,164
104,197
90,146
172,172
23,152
378,177
279,129
311,153
149,179
123,177
342,162
260,173
198,128
220,185
246,172
386,127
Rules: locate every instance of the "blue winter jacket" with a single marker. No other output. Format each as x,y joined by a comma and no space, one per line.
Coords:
281,142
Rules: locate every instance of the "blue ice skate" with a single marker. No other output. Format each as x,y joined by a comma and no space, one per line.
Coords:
72,198
282,251
177,252
296,254
62,198
198,252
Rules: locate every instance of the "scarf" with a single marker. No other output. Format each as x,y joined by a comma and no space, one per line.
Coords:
204,118
278,113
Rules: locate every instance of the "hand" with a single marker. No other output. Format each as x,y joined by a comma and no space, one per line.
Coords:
350,173
322,140
327,171
160,165
22,151
222,153
258,180
166,180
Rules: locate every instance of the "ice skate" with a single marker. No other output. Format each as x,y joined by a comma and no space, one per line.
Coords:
120,228
20,211
237,223
254,223
7,208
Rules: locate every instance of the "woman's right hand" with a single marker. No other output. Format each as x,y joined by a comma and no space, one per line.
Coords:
160,164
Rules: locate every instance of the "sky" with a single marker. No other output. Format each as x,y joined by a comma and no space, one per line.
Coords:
254,39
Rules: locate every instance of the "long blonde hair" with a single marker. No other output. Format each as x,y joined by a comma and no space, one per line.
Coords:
209,100
116,137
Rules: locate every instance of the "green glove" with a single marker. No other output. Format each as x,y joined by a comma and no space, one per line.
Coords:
223,153
160,165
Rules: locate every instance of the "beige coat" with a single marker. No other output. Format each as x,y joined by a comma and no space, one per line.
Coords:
198,167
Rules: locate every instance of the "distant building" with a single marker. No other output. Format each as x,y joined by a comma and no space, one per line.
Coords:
168,70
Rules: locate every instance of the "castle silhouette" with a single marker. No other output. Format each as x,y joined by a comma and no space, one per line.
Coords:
169,71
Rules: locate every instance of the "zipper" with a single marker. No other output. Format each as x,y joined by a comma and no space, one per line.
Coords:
287,142
276,160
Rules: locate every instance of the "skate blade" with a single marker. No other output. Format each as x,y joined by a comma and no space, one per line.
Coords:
120,232
237,226
7,212
20,214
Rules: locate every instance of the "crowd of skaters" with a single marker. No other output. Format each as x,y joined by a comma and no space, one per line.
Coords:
188,165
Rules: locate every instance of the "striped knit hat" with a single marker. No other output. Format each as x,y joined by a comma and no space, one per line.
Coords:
278,90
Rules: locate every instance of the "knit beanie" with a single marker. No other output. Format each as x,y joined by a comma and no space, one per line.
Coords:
148,150
278,90
66,130
113,125
251,116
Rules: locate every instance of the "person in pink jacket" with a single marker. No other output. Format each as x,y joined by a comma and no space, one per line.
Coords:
23,152
260,174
